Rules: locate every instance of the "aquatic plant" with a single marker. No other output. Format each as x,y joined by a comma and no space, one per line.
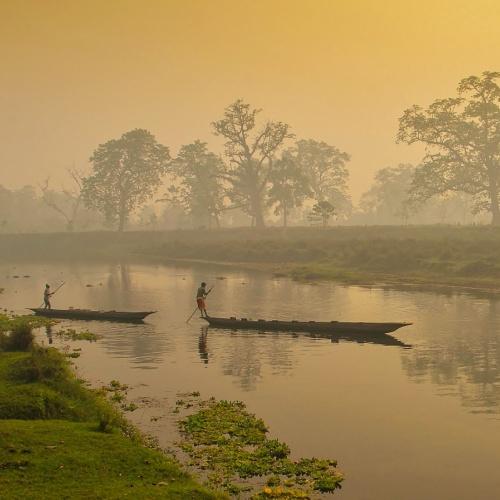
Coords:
71,334
224,438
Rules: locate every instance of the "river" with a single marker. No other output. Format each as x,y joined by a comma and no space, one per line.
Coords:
412,420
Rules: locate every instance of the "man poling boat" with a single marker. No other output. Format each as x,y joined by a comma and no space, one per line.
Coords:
47,294
201,295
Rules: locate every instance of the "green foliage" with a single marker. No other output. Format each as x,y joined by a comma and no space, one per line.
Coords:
8,323
289,185
39,385
389,196
325,210
250,153
72,334
462,138
20,338
49,441
126,172
198,190
325,168
232,443
16,332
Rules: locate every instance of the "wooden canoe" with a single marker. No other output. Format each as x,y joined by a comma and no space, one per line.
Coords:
306,326
88,314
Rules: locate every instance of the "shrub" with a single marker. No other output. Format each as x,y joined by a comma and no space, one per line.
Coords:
20,338
43,365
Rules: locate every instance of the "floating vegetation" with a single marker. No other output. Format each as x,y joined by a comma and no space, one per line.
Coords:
70,334
8,322
231,445
117,393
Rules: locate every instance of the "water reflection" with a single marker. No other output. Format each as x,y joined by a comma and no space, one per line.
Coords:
391,396
48,333
202,344
139,343
462,356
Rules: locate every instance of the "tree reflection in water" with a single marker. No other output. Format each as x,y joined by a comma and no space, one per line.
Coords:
463,361
251,352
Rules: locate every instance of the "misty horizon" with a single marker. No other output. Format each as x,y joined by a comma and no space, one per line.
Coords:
339,72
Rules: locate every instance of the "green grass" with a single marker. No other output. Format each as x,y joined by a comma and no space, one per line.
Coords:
59,439
60,459
38,385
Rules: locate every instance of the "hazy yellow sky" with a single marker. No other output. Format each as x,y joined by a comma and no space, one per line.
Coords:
77,73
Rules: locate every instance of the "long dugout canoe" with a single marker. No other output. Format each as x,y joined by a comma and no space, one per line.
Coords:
306,326
88,314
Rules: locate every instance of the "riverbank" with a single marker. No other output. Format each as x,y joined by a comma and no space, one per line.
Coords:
61,439
443,256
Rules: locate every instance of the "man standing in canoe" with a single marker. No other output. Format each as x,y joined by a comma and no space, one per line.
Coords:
200,299
46,297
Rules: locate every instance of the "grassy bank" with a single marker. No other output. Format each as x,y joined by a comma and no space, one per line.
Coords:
448,255
59,439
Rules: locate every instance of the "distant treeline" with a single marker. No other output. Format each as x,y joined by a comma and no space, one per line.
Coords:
465,255
266,175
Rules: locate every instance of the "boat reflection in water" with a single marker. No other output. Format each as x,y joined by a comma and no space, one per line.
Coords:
334,337
361,333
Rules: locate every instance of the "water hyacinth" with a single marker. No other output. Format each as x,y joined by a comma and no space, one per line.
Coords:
223,438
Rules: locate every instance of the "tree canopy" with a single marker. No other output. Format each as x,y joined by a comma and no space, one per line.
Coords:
325,167
289,185
126,172
198,190
462,136
250,152
389,196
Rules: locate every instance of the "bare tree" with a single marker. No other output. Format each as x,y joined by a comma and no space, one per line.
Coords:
67,205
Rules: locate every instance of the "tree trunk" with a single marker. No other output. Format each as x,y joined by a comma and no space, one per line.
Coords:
495,209
257,211
121,223
122,219
259,220
122,216
285,215
495,216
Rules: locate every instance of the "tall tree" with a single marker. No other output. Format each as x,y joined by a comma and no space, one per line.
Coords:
250,153
198,191
289,186
462,137
126,172
389,198
326,170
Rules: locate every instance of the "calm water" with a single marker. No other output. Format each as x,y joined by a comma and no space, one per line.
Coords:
418,419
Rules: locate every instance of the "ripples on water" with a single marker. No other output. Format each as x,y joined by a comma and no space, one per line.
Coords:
413,416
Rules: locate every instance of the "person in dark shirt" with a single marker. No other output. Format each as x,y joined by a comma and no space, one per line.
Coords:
200,299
